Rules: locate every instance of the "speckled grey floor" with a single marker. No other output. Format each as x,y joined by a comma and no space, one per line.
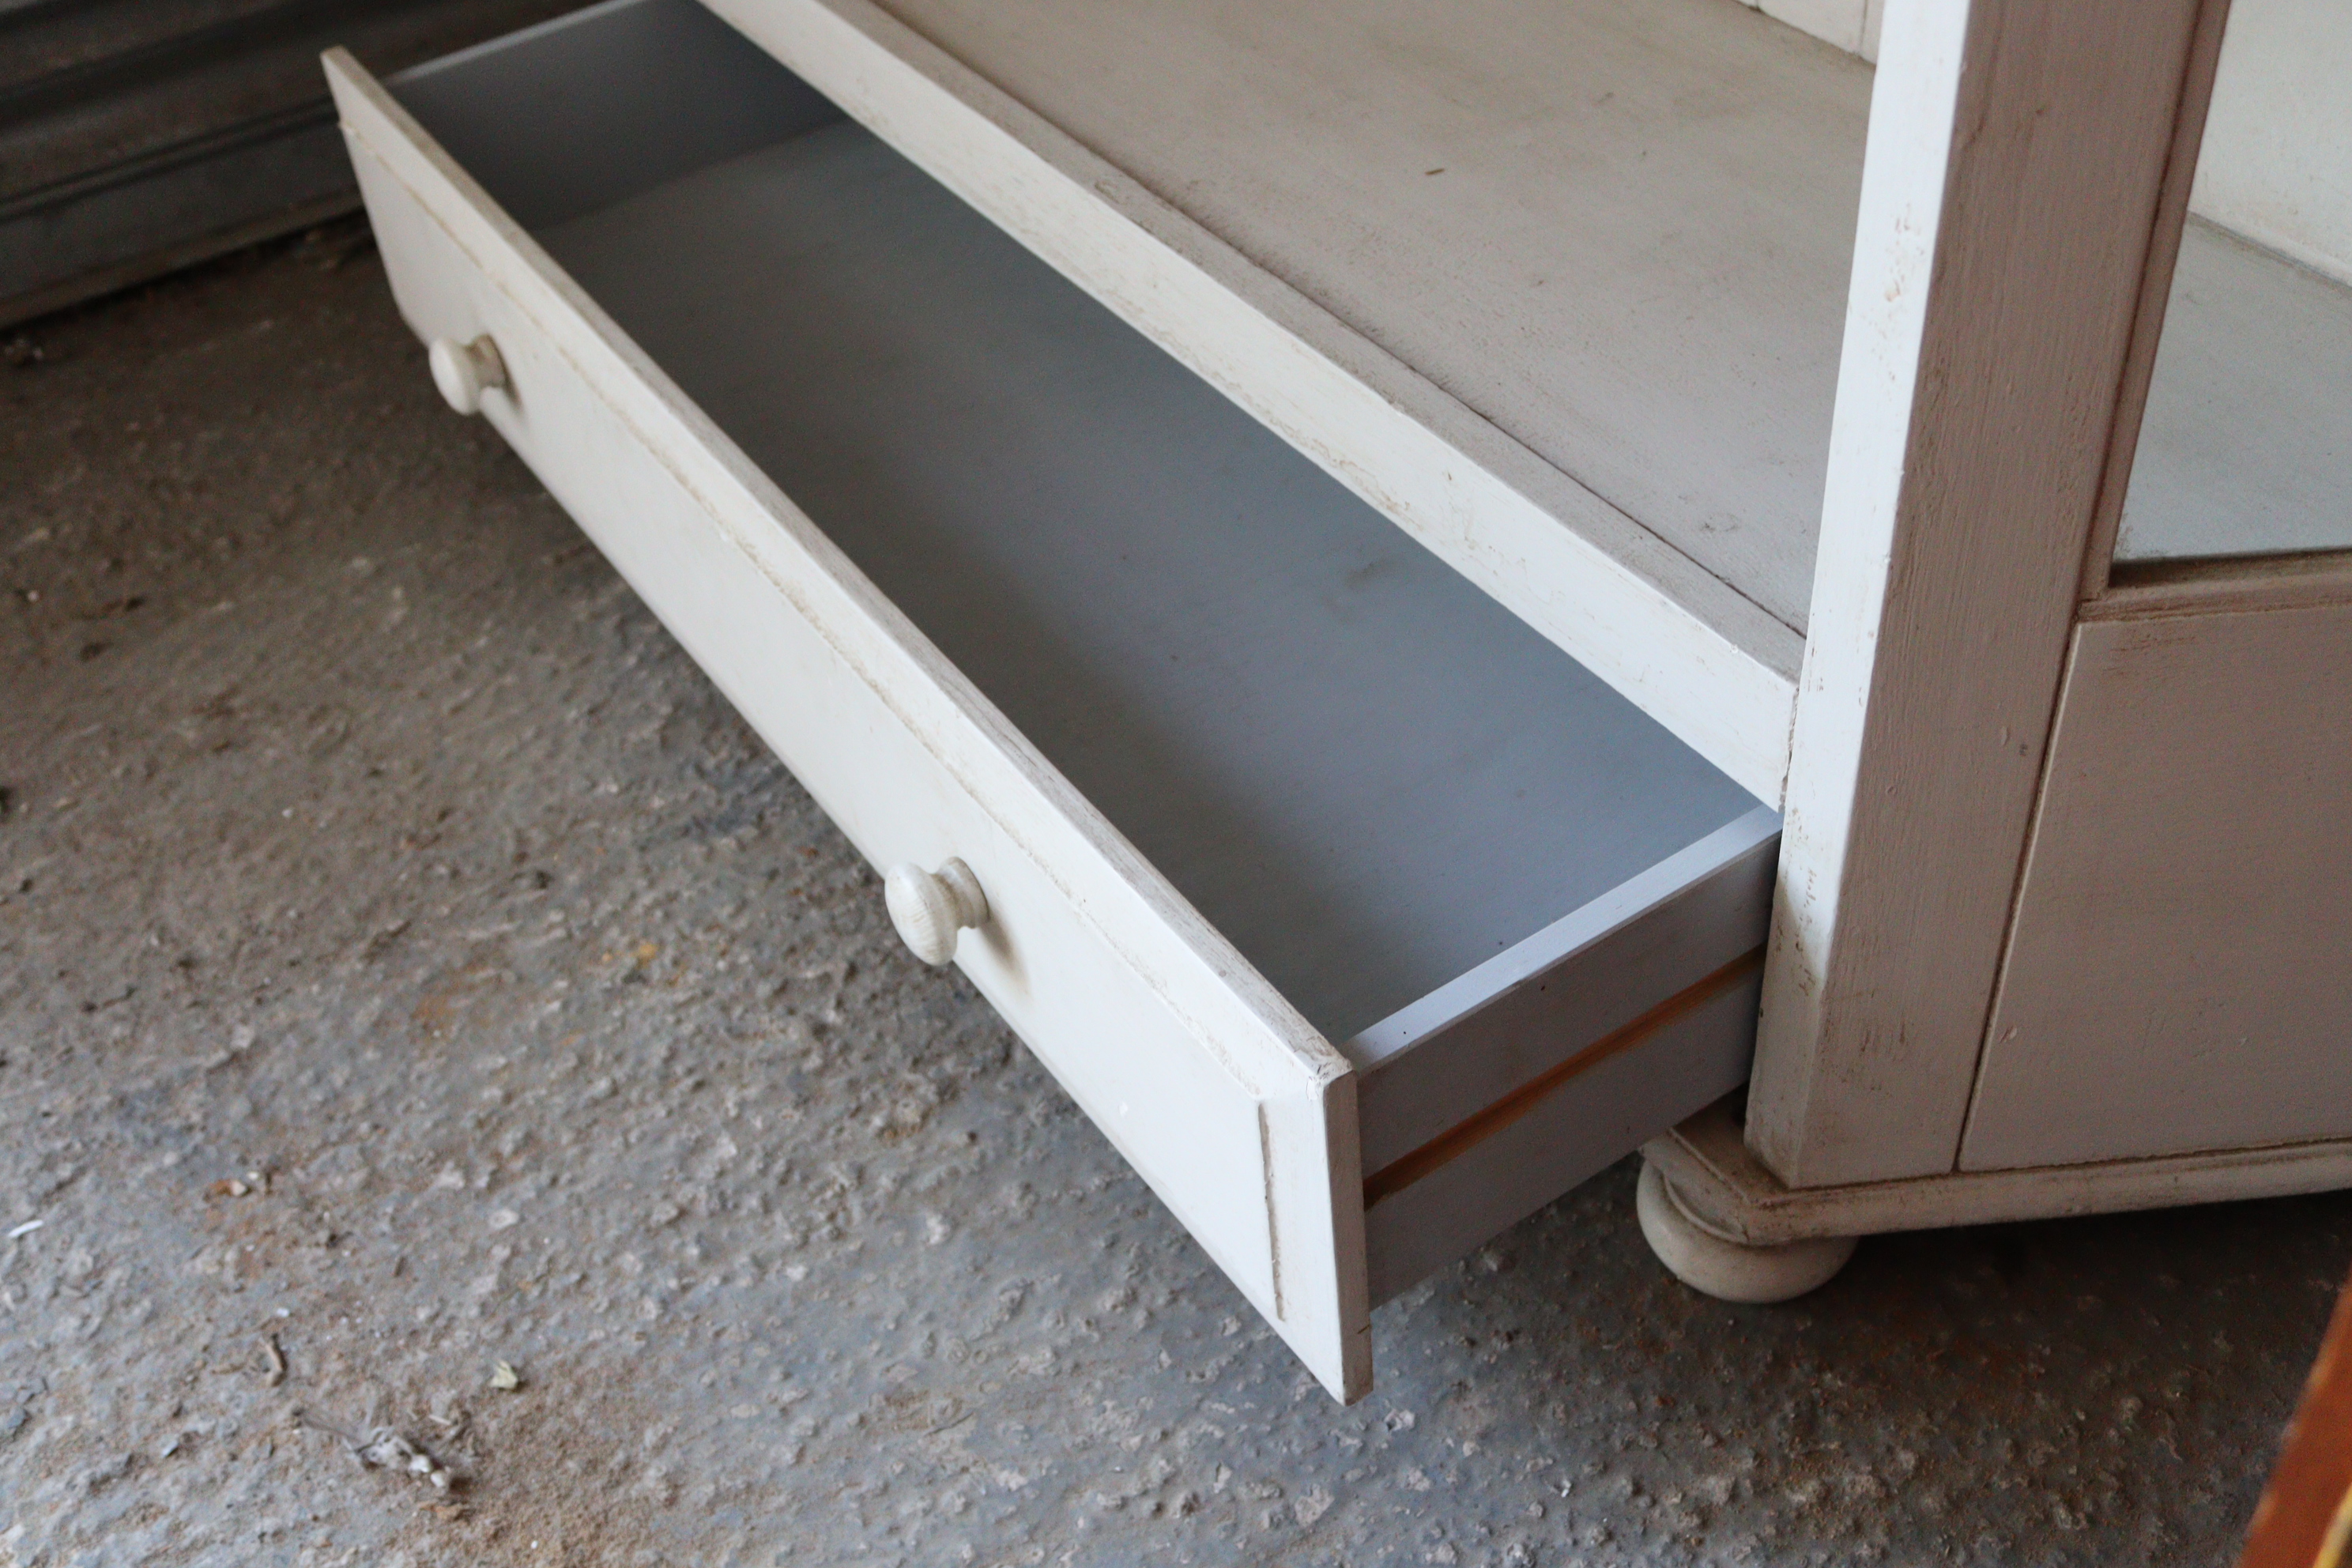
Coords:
408,964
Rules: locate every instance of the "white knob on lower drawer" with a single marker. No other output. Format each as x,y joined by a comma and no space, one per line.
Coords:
465,370
929,907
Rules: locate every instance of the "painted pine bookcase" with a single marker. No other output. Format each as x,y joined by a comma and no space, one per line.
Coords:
1422,597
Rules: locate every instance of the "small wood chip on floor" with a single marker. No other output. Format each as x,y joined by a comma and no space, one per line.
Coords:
389,1449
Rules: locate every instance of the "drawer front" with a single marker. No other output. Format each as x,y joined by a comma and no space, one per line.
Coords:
1240,1116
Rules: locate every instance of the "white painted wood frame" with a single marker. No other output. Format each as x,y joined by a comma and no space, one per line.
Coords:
2026,180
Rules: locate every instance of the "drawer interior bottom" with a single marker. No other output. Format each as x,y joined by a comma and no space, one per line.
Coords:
1365,772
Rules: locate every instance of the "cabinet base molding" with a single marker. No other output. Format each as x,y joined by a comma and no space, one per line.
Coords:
1728,1191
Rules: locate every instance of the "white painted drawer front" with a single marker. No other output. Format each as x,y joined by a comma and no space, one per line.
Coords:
1240,771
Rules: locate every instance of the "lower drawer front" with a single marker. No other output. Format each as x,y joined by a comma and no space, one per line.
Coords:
1255,1156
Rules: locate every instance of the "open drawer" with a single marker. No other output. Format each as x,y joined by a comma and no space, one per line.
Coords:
1362,920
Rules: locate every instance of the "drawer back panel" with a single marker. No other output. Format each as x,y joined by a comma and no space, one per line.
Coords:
590,109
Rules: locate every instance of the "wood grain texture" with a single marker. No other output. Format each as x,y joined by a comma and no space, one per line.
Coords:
2019,151
1758,122
2176,978
2305,1520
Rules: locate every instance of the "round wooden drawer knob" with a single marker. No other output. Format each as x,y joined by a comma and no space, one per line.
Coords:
465,370
929,907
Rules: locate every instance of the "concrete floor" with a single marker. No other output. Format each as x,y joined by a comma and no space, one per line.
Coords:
408,964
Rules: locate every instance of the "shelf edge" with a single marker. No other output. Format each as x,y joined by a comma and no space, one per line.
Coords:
1678,641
